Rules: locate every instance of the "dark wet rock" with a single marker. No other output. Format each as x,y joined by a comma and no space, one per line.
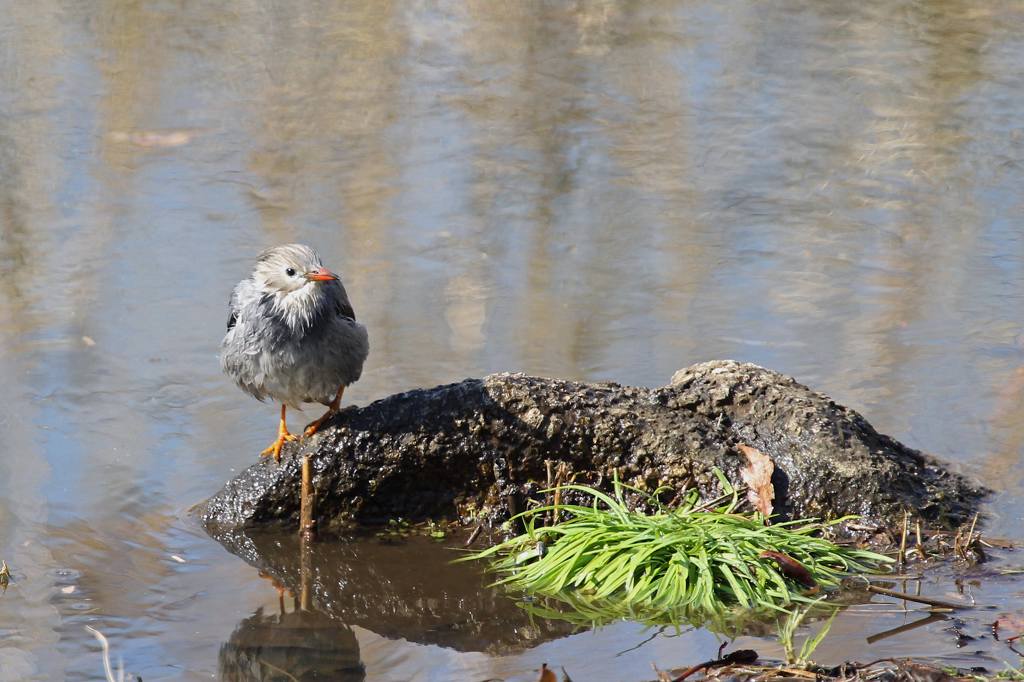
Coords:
477,450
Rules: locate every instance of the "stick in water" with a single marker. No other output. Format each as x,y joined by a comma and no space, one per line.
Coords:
921,600
307,503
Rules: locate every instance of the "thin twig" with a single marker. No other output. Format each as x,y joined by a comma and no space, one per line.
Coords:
920,600
906,627
558,498
551,484
475,534
974,523
305,573
920,543
560,472
106,656
653,635
901,558
970,538
307,503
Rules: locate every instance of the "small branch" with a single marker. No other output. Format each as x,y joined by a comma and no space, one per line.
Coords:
906,627
901,558
305,574
550,485
475,534
107,669
738,657
940,603
307,504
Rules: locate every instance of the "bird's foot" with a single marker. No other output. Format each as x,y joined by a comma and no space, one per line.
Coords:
315,425
275,447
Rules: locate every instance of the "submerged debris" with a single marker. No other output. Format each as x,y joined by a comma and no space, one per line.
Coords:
738,657
965,544
882,670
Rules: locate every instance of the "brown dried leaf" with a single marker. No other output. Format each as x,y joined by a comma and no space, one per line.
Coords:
757,474
546,674
791,568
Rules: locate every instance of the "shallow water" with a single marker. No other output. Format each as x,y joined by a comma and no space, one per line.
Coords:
600,190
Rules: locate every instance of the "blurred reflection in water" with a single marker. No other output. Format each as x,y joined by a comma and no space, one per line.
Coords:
596,190
300,645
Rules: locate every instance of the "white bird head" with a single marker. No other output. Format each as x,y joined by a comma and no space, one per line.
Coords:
290,267
297,283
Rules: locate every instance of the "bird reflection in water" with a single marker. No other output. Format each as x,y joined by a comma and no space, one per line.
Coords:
300,645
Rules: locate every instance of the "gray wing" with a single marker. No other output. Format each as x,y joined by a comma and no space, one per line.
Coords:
341,304
237,358
233,307
344,309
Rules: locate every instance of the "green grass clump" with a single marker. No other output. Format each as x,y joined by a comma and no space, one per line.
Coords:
690,559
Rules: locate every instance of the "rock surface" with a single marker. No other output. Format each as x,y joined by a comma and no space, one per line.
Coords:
478,449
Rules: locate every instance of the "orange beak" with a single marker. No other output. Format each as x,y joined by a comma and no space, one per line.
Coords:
321,275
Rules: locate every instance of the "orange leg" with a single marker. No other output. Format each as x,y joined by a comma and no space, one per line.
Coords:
332,410
281,591
282,437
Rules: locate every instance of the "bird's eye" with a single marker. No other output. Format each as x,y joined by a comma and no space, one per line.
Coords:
290,272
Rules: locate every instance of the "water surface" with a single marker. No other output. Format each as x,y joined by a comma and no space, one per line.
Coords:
592,190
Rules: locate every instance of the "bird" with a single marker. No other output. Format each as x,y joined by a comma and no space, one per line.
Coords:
293,337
